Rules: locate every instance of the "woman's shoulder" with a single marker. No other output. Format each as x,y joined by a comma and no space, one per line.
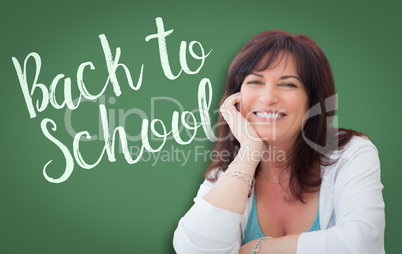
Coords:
358,145
355,144
357,155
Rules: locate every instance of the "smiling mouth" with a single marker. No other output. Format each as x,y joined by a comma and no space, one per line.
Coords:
273,115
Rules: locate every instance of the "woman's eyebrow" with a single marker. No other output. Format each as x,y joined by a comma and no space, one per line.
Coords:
290,76
283,77
256,74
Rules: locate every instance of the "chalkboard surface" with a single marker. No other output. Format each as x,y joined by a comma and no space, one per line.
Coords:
92,92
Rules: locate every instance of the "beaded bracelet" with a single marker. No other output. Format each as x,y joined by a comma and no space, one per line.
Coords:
237,174
242,172
257,246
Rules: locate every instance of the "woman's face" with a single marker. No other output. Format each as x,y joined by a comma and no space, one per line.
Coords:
274,101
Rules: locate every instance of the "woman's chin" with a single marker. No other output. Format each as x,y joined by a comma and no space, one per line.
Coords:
267,137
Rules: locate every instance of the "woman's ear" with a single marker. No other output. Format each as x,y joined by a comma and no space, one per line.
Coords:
237,105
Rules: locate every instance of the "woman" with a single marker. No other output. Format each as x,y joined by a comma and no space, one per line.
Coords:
293,183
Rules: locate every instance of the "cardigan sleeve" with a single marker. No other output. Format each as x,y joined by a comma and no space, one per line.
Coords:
358,206
207,229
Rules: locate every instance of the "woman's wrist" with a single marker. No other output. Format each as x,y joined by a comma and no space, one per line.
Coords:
257,246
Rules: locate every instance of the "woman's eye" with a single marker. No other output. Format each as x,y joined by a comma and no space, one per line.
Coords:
253,82
288,85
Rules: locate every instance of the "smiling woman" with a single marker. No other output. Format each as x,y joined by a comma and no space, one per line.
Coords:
274,101
323,196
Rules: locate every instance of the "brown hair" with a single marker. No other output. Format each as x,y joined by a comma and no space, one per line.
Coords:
314,70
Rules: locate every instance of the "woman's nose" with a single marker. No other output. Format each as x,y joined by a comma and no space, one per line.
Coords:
269,95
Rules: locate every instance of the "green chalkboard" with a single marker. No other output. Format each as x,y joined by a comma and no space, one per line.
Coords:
71,69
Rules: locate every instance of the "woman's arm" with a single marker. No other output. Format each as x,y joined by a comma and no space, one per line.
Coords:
212,225
355,192
358,207
229,193
286,244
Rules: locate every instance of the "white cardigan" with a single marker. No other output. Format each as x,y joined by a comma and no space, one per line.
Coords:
351,205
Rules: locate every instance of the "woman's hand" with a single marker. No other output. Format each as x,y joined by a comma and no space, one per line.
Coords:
240,127
246,249
286,244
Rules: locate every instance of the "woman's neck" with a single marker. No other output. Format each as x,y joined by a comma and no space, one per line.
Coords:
273,166
274,171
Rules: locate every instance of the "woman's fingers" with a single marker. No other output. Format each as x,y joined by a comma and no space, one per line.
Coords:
232,99
228,109
240,127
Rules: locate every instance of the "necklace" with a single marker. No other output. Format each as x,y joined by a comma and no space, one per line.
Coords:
277,182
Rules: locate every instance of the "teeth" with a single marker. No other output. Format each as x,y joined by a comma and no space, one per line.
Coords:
269,115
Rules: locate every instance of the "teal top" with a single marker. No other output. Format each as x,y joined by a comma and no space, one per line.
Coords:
253,230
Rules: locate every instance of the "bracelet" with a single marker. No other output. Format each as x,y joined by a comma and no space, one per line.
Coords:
257,246
242,172
237,174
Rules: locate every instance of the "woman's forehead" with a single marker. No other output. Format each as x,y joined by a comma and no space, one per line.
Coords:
270,61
